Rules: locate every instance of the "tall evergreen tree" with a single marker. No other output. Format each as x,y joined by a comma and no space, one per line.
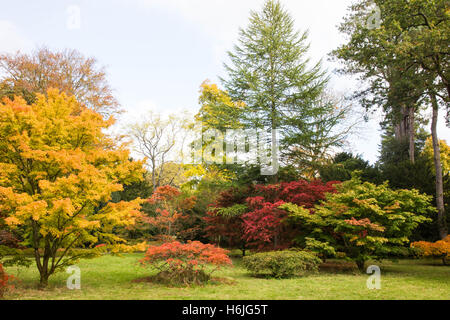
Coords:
270,73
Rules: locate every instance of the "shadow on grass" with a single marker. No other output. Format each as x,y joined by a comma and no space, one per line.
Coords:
339,267
156,280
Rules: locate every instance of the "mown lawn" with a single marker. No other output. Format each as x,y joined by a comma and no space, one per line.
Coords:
111,277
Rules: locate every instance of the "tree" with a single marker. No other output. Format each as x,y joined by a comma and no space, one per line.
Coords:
160,141
218,111
185,264
330,130
362,220
409,52
67,70
224,218
270,74
58,170
250,217
266,227
169,206
344,165
445,155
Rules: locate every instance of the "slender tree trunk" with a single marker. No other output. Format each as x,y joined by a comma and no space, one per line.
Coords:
361,265
275,153
412,132
153,175
442,223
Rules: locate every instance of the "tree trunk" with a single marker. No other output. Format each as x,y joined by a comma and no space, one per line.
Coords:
405,129
274,154
44,268
442,223
412,132
361,265
43,282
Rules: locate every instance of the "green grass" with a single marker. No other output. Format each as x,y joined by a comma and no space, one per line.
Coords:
111,277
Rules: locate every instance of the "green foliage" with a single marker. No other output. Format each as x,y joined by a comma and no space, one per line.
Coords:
344,165
364,221
236,210
270,73
281,264
396,168
136,189
322,248
13,256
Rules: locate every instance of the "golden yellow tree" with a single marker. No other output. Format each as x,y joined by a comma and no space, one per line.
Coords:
444,153
58,169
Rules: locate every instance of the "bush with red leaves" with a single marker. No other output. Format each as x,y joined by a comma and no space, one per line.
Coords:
227,228
250,217
4,282
179,263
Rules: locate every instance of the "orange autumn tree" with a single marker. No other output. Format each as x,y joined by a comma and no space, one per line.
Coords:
58,169
169,204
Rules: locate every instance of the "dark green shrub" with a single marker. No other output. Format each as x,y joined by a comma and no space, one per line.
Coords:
282,264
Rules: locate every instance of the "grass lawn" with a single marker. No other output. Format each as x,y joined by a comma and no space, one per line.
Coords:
111,277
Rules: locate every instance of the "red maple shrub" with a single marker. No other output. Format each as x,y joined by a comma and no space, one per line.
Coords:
222,225
251,218
169,206
185,264
4,282
264,226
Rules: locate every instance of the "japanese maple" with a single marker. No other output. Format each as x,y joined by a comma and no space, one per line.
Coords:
58,169
186,262
250,217
362,221
169,204
5,280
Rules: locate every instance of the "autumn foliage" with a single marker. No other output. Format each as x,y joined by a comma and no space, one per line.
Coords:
266,226
362,221
180,263
439,249
4,282
169,205
252,218
58,170
68,70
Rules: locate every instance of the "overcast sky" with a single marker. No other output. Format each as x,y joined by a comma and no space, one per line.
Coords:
158,52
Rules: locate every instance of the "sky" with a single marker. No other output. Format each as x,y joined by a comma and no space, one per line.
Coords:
158,52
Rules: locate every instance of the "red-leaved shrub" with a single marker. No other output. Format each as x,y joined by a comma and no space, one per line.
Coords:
4,282
262,225
187,263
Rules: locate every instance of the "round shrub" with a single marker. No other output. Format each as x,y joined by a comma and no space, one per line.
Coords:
281,264
184,264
